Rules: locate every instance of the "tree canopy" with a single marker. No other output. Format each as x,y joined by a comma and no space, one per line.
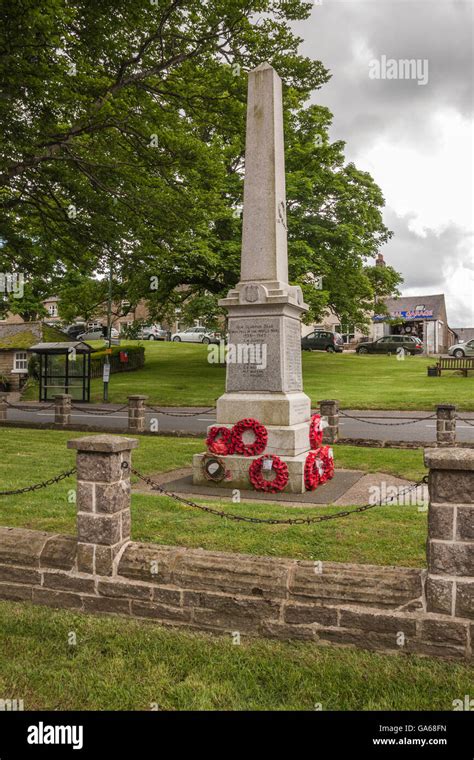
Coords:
123,140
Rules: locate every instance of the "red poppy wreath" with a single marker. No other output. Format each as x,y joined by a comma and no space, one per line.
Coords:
249,449
315,431
219,440
262,484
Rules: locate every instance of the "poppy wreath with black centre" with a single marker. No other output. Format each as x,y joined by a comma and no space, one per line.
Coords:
315,431
262,484
249,449
219,440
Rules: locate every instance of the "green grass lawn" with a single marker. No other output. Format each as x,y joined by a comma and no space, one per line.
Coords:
384,535
179,374
119,664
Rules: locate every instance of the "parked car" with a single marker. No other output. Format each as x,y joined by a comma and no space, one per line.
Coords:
99,333
462,349
322,340
196,335
74,330
153,332
390,344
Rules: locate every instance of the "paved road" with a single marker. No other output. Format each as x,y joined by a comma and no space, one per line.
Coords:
177,421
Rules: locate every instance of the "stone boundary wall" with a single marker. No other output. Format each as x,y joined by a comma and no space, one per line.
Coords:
390,609
371,607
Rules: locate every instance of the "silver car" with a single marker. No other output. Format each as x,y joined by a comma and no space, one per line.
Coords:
196,335
152,332
462,349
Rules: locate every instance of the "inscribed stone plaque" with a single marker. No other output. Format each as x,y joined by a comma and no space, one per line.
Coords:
292,356
255,354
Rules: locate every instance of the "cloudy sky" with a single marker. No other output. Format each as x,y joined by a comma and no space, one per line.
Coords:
415,139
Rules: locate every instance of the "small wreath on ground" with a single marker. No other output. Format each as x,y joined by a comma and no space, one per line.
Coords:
213,468
219,440
249,449
262,484
315,431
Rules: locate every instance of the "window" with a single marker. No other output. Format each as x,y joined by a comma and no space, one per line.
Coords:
20,363
53,309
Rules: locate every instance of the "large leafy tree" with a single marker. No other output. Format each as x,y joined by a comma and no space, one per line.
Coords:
123,140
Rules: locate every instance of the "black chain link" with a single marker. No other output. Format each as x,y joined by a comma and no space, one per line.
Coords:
33,409
370,420
464,419
271,521
179,414
98,412
43,484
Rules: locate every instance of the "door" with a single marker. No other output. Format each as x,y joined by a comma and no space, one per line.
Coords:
309,340
469,348
318,342
382,345
190,336
200,333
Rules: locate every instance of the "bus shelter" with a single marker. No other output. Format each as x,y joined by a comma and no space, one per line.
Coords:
64,368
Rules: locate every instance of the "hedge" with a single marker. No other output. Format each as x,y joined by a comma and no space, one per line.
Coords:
136,360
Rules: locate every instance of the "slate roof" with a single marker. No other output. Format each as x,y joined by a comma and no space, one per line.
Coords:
464,333
435,303
23,336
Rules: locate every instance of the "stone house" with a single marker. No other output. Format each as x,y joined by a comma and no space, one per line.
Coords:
15,343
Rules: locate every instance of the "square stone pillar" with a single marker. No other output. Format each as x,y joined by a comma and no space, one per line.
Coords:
330,410
450,548
136,413
103,500
62,409
446,425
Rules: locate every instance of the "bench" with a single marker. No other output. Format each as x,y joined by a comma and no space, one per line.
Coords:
464,364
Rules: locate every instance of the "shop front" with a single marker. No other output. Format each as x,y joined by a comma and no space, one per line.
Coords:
423,317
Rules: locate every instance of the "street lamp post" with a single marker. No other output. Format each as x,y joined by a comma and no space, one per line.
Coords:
106,373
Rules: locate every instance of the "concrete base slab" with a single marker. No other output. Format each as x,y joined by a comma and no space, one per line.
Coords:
328,493
237,472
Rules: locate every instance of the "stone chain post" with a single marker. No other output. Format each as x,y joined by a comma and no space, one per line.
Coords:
3,407
62,409
330,410
450,548
446,425
136,414
103,500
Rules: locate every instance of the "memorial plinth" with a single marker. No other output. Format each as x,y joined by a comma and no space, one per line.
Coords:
265,380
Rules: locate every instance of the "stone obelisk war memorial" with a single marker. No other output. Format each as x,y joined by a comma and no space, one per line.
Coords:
262,436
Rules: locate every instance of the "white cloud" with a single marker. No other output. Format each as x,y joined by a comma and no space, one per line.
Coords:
415,141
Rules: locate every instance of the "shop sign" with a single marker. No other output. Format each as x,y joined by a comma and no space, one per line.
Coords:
406,314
